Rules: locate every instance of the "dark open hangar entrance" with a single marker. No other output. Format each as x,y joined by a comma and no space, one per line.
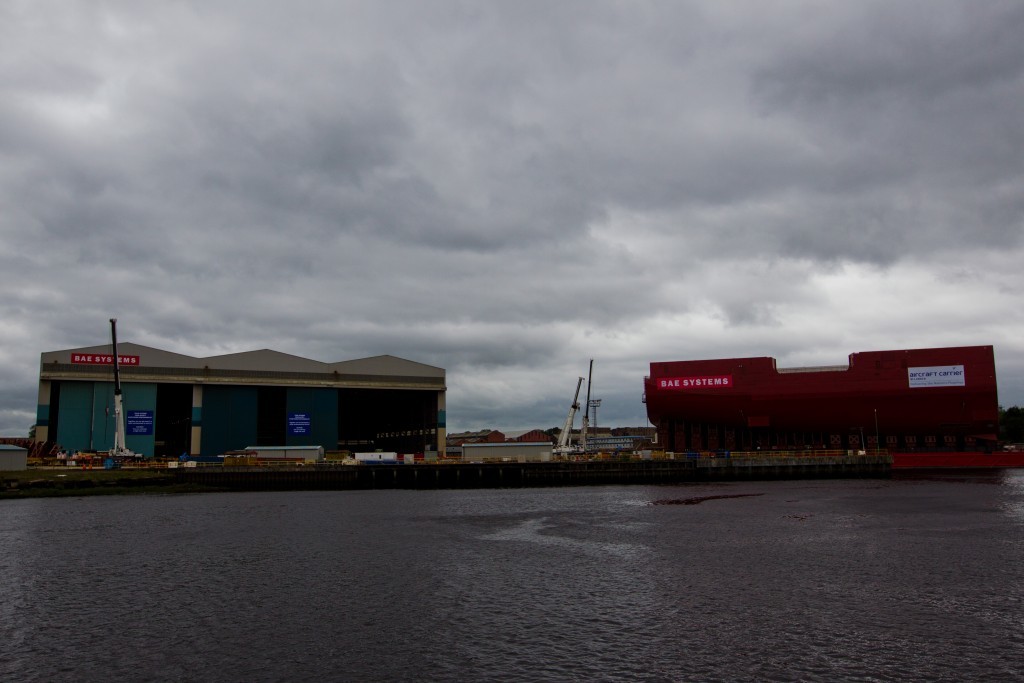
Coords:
399,420
172,430
403,421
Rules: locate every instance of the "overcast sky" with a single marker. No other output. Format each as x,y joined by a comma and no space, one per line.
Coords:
509,189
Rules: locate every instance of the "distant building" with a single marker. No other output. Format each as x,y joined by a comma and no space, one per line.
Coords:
510,451
647,431
13,458
455,442
624,442
482,436
532,435
600,439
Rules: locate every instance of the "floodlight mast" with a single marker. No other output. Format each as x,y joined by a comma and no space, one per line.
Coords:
586,413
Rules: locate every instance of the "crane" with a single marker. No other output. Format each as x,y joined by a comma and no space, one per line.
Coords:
563,447
586,413
119,450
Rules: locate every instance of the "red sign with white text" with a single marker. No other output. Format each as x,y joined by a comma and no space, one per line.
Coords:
700,382
102,359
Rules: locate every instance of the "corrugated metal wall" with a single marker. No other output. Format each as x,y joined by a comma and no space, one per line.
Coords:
229,419
140,396
87,415
74,429
322,407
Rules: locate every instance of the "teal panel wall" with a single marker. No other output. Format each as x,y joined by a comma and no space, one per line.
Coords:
74,427
322,406
103,416
141,397
133,397
228,419
325,418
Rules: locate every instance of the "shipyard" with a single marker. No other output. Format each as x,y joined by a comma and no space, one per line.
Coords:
265,420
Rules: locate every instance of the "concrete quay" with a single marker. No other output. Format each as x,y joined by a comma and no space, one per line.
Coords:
536,474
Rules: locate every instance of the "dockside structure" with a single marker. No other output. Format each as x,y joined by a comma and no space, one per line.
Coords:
927,399
176,403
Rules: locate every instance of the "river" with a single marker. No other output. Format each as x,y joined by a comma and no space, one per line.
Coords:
911,578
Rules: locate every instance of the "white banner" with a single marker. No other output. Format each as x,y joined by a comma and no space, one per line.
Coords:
938,376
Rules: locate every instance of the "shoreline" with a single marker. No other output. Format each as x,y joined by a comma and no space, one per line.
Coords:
72,482
63,482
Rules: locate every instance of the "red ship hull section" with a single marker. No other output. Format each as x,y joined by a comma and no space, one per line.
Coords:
927,392
902,461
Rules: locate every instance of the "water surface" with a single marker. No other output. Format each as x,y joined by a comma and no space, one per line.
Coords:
915,578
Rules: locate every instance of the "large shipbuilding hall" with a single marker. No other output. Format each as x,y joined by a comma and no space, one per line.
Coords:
176,404
902,400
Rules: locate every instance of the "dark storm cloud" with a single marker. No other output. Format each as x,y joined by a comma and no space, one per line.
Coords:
507,190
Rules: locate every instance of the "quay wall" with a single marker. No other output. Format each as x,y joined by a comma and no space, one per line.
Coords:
514,475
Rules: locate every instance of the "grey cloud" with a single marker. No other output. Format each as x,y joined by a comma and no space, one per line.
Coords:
507,188
917,110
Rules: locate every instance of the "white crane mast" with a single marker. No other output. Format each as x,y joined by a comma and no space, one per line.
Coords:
563,446
120,450
586,413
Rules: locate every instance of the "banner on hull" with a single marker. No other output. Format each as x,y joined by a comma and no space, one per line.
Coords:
937,376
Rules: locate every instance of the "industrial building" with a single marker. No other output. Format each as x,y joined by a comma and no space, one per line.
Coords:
510,451
13,458
919,399
176,404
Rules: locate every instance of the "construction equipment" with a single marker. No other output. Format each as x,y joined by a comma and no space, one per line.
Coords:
119,451
586,413
564,447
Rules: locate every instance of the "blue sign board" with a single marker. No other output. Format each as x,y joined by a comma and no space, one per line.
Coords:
139,422
298,424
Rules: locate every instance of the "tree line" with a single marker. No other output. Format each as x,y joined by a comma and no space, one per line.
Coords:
1011,424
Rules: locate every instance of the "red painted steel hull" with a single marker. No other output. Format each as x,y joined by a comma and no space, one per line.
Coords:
999,459
877,393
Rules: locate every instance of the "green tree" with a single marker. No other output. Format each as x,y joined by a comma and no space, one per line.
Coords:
1011,424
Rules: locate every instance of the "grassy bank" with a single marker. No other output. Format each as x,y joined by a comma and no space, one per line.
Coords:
39,483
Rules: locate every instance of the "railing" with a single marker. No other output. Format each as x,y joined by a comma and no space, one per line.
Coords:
796,453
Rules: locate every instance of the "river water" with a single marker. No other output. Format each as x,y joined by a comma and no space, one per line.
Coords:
914,578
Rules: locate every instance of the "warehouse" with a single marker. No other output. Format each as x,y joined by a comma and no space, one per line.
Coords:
176,404
931,399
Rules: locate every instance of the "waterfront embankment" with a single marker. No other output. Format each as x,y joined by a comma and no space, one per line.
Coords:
69,481
439,476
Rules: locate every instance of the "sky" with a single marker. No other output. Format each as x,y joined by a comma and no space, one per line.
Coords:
509,189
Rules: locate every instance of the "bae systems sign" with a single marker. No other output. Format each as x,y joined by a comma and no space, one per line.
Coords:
705,382
938,376
102,359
